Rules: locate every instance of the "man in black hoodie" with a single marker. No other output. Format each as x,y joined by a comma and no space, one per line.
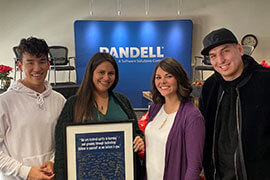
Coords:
235,103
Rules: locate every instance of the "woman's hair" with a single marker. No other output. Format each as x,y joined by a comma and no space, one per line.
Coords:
174,68
85,101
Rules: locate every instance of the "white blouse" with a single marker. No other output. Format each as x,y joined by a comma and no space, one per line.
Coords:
156,134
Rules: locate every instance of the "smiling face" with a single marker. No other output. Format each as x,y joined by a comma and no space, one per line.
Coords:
166,83
35,71
103,77
226,59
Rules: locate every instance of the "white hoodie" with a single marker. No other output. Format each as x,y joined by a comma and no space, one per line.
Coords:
27,126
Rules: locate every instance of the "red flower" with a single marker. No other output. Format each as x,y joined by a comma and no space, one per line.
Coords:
4,72
197,83
264,64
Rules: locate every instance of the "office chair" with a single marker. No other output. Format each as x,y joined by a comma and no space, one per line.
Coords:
60,61
16,58
201,64
248,50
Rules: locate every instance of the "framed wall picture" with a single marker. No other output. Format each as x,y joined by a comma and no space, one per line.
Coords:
100,150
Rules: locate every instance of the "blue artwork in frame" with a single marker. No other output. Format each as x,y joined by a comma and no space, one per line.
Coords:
100,155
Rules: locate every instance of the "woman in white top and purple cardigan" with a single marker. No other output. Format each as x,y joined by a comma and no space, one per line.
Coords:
174,135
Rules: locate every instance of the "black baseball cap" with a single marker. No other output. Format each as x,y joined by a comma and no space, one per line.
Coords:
216,38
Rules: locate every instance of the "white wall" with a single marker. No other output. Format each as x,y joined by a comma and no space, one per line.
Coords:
53,19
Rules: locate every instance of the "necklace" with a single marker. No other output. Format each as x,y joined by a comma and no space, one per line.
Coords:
165,120
99,111
102,101
98,115
166,116
163,123
101,106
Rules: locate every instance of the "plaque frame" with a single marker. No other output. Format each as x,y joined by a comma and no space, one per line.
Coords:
126,127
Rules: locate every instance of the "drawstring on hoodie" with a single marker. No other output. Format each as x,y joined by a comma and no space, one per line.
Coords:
40,101
38,97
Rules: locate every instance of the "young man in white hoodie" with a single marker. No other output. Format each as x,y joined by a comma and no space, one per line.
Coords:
29,110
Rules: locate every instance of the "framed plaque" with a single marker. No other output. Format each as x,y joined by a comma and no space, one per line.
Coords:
100,150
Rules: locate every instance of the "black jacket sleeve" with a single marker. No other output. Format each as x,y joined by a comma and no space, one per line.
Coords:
66,115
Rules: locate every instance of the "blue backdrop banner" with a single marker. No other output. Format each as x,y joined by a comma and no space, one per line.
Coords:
137,46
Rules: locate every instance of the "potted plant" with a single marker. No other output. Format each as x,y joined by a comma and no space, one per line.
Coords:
4,76
197,88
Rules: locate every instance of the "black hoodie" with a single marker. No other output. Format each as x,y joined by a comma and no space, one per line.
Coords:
252,104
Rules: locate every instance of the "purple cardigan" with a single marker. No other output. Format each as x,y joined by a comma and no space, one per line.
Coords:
184,148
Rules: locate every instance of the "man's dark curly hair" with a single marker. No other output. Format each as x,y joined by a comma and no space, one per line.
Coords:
33,46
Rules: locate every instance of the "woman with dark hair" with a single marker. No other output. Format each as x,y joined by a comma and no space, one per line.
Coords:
96,101
174,135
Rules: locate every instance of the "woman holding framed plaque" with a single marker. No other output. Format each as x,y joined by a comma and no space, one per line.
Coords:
174,135
96,101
